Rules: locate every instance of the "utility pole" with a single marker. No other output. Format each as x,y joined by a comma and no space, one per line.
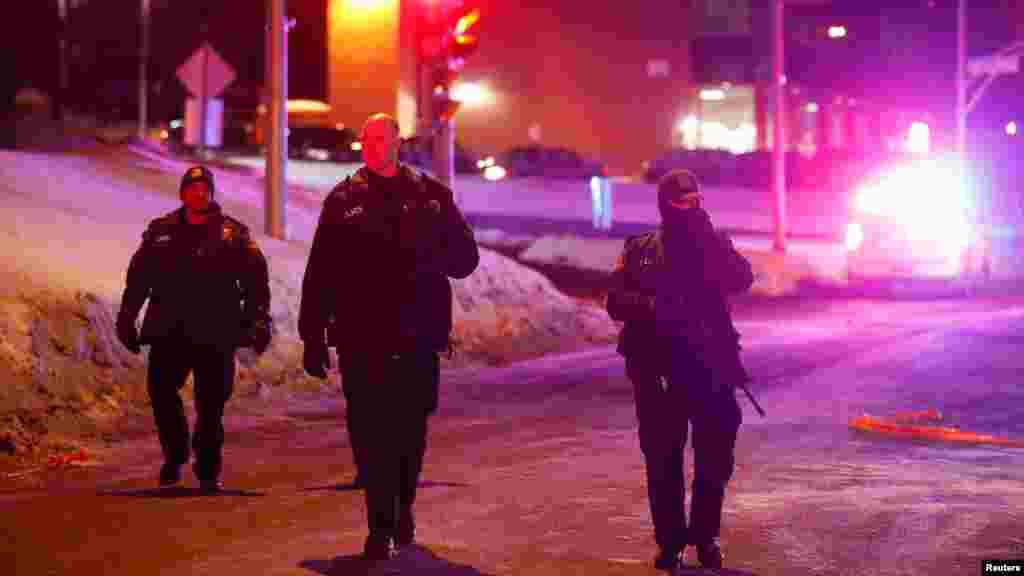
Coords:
276,192
143,66
961,89
779,125
62,55
444,154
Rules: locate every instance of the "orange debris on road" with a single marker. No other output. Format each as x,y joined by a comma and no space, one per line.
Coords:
903,425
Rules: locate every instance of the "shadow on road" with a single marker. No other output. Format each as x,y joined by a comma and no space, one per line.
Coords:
350,486
696,571
177,492
410,560
921,289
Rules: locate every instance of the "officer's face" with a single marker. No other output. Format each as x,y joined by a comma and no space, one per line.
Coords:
380,145
196,197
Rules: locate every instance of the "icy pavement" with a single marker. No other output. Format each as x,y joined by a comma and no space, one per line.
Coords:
535,468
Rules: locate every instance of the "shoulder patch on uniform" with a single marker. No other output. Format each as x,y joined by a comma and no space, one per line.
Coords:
353,211
159,230
636,240
341,191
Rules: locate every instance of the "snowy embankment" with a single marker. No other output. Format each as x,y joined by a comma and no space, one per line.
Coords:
70,224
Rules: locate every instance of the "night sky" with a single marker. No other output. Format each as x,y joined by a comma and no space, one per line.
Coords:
106,33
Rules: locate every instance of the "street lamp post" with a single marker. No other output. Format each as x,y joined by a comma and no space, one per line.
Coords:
779,125
143,60
961,89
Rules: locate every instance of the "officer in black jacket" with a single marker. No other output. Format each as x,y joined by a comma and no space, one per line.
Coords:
682,354
209,293
377,289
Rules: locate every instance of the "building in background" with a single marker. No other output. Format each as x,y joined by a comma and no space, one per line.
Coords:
860,73
619,85
608,82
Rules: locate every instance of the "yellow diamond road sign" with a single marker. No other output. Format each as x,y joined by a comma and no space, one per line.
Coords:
219,74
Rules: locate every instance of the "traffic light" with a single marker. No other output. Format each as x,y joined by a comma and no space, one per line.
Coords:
462,38
449,35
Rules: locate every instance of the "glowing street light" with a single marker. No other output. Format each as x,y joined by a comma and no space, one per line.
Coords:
835,32
470,94
918,138
712,94
1011,128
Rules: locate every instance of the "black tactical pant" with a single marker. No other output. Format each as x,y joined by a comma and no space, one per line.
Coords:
388,400
665,416
213,378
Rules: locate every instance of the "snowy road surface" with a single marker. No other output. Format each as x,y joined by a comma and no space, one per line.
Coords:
536,469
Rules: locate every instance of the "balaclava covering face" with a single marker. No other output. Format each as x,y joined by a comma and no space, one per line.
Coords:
675,190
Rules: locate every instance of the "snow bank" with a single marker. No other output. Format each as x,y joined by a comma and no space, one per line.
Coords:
69,226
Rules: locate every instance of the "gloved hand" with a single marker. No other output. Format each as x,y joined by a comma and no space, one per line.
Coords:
128,336
641,302
315,359
259,335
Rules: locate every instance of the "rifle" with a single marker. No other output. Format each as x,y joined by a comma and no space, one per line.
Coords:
750,396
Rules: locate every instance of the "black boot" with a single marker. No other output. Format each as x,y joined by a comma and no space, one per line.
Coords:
709,554
667,559
208,484
377,548
211,486
406,533
170,474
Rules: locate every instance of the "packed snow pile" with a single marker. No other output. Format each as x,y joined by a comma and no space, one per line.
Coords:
69,226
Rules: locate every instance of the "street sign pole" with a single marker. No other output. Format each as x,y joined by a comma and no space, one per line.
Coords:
205,74
203,100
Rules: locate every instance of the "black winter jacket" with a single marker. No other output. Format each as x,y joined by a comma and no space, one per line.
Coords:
377,275
208,293
674,305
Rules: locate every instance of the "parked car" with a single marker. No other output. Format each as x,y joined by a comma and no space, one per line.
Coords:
323,143
418,152
548,162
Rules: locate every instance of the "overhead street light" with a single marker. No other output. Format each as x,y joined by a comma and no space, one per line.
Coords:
712,94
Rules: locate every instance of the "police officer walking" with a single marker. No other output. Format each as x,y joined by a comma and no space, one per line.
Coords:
208,290
682,354
377,288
